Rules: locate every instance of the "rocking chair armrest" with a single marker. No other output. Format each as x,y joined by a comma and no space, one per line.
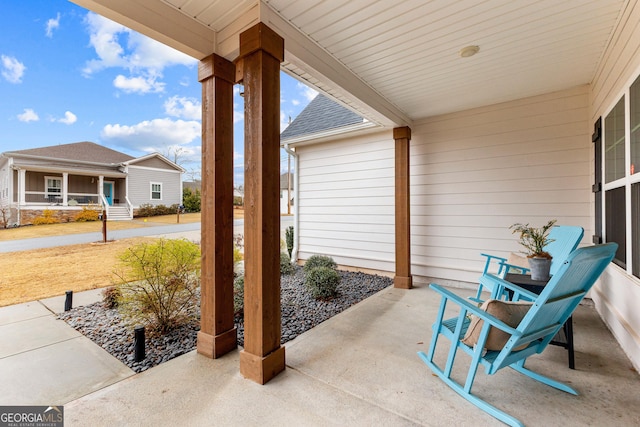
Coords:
490,257
474,309
515,288
515,267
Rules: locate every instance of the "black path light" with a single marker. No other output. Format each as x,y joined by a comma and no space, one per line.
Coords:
138,344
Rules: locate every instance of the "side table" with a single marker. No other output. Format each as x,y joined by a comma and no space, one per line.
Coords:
564,337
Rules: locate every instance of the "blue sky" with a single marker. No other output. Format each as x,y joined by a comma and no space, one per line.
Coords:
69,75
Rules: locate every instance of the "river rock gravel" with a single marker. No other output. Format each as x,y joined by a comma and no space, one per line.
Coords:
300,312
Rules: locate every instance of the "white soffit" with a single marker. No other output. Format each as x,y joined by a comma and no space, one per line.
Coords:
408,51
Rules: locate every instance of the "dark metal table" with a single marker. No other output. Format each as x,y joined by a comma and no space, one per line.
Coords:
564,337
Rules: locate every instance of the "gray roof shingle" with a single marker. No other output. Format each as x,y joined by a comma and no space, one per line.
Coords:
77,151
320,115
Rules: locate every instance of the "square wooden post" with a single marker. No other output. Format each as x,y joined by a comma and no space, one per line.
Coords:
258,66
403,278
217,335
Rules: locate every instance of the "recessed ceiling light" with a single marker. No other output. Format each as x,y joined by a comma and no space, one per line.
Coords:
468,51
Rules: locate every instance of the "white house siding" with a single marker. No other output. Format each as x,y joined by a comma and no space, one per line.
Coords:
617,295
346,208
473,174
140,179
476,172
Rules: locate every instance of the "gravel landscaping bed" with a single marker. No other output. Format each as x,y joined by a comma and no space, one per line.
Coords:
300,312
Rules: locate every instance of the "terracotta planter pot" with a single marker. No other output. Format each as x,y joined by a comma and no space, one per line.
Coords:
540,268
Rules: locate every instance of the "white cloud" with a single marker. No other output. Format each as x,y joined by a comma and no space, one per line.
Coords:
28,116
52,24
295,102
69,118
306,91
138,84
119,47
153,135
12,69
183,107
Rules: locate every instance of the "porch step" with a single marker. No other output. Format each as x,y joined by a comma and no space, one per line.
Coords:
118,213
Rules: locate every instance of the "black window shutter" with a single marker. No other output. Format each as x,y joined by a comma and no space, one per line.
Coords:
596,138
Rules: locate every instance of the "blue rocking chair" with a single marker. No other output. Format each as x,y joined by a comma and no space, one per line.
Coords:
541,320
564,240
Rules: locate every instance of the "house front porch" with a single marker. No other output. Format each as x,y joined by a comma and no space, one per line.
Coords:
360,368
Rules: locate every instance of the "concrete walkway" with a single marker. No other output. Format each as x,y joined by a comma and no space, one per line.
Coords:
359,368
43,361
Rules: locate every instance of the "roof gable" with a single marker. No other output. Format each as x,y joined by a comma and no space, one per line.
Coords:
77,151
320,115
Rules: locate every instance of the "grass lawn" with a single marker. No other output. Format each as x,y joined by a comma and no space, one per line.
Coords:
43,273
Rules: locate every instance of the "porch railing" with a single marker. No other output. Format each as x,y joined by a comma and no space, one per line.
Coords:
73,199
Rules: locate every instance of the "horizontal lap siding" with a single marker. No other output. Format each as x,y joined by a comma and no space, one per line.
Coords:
140,180
474,173
347,201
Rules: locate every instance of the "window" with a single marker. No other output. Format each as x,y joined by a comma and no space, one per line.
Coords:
53,186
621,199
156,191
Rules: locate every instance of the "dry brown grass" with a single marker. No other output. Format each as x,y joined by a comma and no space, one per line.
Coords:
43,273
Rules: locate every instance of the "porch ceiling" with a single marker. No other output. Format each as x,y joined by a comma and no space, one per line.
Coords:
398,61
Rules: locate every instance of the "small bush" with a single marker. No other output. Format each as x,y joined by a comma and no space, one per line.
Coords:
47,217
87,214
191,200
158,282
238,296
146,210
315,261
322,282
111,296
289,237
237,201
285,264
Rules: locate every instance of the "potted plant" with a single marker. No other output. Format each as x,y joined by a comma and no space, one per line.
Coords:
534,240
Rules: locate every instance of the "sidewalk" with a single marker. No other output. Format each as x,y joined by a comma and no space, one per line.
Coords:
43,361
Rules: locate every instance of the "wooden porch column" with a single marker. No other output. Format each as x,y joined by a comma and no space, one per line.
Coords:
22,187
217,335
65,188
403,278
258,67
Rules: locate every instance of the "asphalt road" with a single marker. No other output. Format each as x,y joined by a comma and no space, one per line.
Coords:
75,239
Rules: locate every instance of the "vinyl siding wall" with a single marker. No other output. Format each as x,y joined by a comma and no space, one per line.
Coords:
140,180
347,201
476,172
473,174
617,295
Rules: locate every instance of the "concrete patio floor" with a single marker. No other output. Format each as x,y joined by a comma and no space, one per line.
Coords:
360,368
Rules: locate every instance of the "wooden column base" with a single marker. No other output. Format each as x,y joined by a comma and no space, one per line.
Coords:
214,347
262,369
403,282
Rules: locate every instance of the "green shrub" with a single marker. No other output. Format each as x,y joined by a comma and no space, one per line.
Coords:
238,296
289,237
87,214
191,200
237,201
315,261
146,210
158,282
322,282
111,297
48,217
285,264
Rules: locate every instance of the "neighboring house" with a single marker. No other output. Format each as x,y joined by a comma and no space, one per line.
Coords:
286,193
65,178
